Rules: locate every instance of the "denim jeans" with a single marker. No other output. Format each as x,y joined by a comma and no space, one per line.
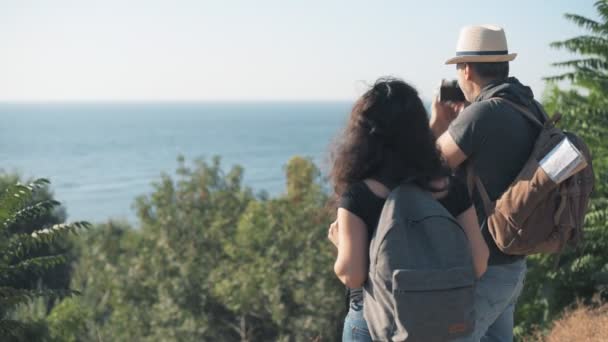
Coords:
355,327
495,296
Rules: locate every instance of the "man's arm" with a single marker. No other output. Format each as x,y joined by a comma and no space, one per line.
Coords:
450,151
442,115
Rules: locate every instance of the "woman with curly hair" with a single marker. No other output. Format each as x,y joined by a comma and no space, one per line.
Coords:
387,141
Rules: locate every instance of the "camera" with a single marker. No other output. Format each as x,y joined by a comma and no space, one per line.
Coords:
450,91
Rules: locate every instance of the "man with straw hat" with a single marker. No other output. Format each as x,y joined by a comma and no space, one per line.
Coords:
493,138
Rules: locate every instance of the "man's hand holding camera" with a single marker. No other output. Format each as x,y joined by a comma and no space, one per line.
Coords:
443,113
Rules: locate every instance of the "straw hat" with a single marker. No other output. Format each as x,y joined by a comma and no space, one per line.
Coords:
483,43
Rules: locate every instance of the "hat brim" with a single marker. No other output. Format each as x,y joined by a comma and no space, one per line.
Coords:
481,59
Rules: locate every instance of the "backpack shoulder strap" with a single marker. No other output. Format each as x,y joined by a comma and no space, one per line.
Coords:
473,181
525,111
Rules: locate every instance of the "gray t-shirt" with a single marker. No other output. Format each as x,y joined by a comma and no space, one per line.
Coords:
498,140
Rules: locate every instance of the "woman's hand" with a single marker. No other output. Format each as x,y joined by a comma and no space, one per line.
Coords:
479,248
332,233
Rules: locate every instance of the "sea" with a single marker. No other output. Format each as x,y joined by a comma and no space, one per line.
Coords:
100,156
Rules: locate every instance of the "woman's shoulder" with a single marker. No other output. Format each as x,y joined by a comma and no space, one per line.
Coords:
363,192
367,187
376,188
355,190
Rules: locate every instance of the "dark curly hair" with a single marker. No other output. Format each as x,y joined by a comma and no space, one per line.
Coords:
387,138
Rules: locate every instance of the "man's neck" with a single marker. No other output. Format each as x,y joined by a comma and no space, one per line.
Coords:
478,86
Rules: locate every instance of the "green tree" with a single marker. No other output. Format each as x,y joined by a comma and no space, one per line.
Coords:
585,106
152,283
278,278
68,319
103,276
580,274
188,221
209,262
59,276
591,70
16,247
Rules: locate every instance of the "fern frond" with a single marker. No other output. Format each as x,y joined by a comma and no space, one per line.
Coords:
32,212
49,235
602,8
12,329
17,195
11,297
570,76
20,244
584,22
584,45
596,217
593,63
35,265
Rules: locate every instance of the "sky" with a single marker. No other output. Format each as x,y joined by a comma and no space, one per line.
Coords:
263,50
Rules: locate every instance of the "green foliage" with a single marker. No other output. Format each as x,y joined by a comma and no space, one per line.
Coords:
210,262
16,261
45,212
68,321
589,71
278,272
580,274
587,115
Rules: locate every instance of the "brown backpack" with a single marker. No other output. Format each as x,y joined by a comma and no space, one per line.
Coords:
534,214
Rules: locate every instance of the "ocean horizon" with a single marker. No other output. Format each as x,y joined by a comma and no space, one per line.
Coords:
100,156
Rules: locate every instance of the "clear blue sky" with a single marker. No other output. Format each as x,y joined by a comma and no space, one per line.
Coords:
256,50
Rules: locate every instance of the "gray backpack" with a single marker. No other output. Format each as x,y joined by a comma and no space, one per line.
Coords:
421,280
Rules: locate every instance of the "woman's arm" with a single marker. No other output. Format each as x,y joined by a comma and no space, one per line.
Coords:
353,254
481,253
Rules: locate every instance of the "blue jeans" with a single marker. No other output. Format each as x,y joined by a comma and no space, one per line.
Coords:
355,327
495,296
